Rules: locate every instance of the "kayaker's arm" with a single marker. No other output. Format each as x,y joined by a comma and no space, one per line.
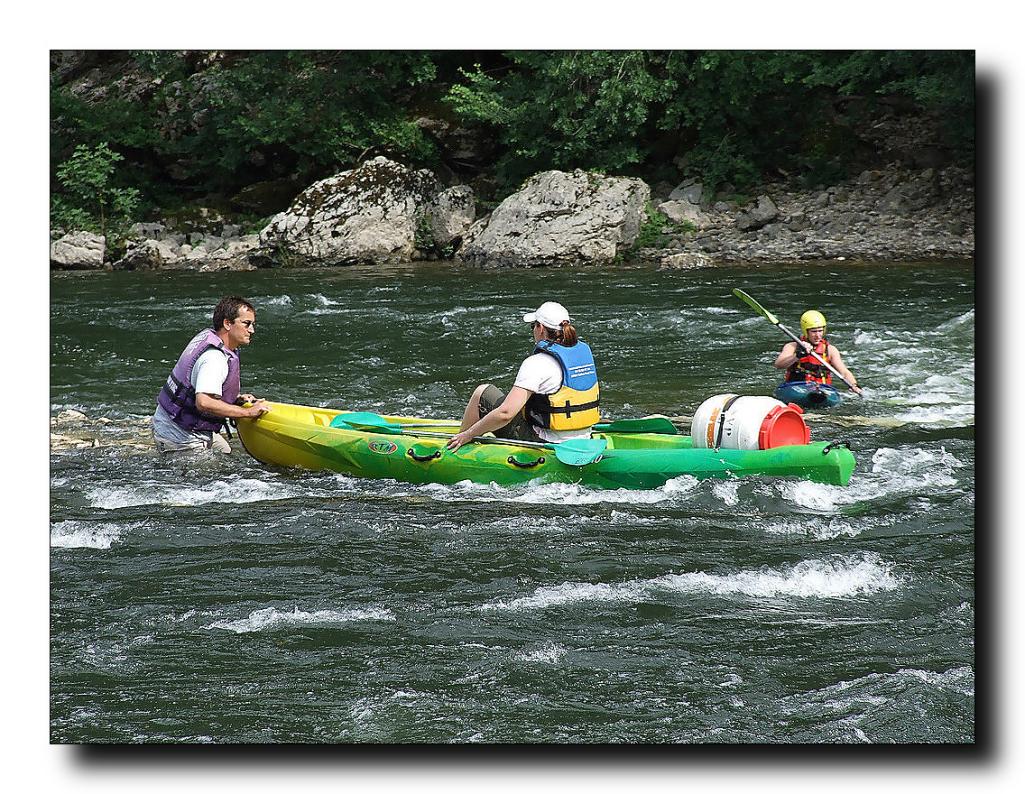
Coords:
499,417
213,405
837,361
787,356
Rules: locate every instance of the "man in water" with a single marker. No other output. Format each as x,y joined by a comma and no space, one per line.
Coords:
797,359
203,389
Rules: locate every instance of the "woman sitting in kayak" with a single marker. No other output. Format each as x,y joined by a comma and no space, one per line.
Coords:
799,362
554,396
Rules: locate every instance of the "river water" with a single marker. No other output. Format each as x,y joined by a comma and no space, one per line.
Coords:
224,601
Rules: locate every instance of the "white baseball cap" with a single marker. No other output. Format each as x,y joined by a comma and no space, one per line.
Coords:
550,314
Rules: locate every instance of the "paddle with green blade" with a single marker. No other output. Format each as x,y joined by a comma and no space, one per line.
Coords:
644,424
572,451
739,293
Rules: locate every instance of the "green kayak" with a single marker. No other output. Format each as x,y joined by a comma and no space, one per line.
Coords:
302,436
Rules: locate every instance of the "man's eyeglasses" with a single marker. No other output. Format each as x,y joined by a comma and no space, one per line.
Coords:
247,323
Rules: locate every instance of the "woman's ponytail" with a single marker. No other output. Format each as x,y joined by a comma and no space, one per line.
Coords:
567,334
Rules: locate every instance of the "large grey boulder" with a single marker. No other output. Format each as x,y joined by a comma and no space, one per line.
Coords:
450,214
920,191
78,251
381,211
232,254
560,218
209,254
685,212
149,255
756,217
686,260
689,190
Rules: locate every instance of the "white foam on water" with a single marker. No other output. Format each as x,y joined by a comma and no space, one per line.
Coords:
826,498
81,535
570,493
537,525
944,383
726,490
325,301
236,491
719,310
842,577
277,300
959,679
568,593
813,527
834,578
959,414
271,618
876,689
561,493
859,734
894,472
546,653
914,461
620,517
327,310
968,318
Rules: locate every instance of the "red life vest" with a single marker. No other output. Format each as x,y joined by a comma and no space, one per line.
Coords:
807,368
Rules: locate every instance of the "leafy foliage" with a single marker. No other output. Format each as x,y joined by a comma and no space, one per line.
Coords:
656,228
730,116
195,125
90,199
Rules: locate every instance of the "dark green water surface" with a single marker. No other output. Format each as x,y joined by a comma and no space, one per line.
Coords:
224,601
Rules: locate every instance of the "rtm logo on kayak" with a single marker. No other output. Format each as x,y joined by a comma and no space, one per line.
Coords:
382,447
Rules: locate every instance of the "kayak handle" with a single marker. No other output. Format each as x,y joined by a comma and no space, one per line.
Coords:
529,464
423,458
829,447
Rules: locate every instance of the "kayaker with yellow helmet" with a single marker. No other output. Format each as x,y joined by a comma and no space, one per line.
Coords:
554,396
802,366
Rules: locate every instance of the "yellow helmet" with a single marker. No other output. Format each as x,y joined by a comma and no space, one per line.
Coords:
812,319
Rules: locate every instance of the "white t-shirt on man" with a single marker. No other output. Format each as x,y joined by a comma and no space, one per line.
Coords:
541,374
209,372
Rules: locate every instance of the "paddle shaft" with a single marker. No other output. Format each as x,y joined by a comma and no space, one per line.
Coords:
646,424
509,442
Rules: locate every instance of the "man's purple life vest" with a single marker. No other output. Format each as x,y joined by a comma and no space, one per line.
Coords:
178,397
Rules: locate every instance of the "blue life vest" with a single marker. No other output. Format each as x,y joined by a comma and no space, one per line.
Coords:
575,405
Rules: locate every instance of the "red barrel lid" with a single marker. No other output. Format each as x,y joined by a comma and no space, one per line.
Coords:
783,426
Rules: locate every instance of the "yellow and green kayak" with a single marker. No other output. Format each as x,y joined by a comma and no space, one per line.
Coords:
303,436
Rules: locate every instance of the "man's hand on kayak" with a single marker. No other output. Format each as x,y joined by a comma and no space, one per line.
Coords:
459,439
257,409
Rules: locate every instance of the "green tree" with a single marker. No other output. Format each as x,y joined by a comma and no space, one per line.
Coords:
731,116
90,200
201,125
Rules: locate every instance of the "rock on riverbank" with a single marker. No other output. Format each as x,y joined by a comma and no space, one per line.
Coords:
379,212
559,218
888,214
385,212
